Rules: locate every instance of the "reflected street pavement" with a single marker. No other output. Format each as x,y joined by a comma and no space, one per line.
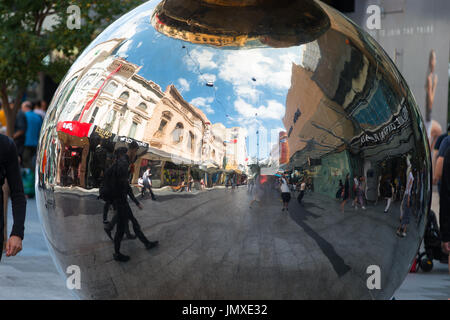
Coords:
32,274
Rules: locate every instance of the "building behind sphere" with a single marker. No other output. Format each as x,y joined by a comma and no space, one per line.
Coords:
314,97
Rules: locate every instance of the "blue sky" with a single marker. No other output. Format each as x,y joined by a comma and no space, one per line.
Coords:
249,85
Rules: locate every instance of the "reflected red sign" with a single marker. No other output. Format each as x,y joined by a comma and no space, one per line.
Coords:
74,128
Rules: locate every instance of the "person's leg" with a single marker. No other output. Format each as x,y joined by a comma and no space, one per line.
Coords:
105,211
151,193
137,230
120,230
388,204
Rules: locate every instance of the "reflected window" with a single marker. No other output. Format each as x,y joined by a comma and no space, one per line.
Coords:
167,115
110,120
178,133
124,95
133,129
378,111
89,80
99,83
142,106
111,87
94,114
162,125
191,142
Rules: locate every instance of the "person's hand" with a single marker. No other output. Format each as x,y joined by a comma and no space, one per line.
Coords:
13,246
140,206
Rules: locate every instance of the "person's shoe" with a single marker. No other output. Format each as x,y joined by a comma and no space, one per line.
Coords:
120,257
108,232
386,211
151,244
131,236
398,233
403,234
282,209
105,221
364,208
154,199
287,209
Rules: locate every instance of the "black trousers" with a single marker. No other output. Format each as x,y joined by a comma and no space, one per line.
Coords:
300,196
124,214
147,186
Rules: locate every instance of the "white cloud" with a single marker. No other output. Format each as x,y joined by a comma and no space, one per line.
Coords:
200,59
241,67
184,85
248,93
203,103
273,110
207,77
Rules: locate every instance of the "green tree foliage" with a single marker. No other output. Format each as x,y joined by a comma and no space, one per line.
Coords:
26,45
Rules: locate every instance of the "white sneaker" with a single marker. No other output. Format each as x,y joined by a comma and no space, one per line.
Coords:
364,208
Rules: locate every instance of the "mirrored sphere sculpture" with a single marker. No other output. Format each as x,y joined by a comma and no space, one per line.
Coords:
235,107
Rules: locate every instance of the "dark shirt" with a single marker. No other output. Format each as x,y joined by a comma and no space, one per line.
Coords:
9,169
444,199
20,125
439,141
445,144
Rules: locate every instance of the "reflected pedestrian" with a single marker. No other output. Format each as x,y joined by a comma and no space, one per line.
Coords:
302,192
122,189
406,206
388,191
147,183
345,192
285,193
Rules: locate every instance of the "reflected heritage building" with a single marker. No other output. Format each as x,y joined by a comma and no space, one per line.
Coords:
187,87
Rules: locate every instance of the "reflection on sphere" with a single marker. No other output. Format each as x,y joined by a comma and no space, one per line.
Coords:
221,110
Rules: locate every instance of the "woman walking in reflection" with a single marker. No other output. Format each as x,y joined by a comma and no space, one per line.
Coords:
147,183
345,192
355,191
360,191
257,191
302,192
388,193
285,193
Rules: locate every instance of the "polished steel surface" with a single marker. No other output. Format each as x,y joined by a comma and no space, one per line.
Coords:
235,96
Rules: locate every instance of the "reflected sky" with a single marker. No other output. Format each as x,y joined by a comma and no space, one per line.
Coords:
236,87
